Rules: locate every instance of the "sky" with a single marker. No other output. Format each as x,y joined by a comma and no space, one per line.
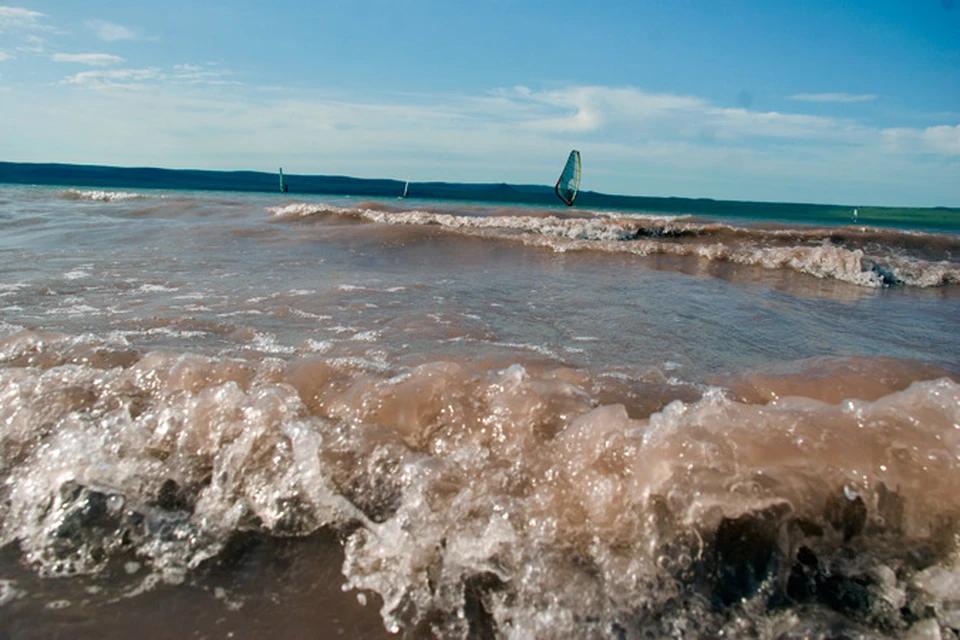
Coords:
854,102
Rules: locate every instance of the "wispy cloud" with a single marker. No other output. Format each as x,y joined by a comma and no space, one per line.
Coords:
5,56
833,97
201,74
138,79
634,141
92,59
129,78
624,121
23,26
627,113
111,32
12,18
33,44
591,108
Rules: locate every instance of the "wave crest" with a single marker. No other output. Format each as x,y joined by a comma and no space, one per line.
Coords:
872,258
506,498
100,195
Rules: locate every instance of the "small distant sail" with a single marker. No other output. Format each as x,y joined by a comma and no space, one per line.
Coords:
283,187
406,189
568,186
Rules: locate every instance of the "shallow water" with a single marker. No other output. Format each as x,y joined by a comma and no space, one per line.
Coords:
454,419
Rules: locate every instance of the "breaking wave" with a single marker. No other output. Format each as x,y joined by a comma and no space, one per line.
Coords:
868,257
100,195
517,501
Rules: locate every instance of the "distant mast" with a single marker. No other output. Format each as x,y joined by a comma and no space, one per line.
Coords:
568,186
283,187
855,215
406,190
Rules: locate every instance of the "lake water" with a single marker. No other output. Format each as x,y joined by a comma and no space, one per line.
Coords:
232,415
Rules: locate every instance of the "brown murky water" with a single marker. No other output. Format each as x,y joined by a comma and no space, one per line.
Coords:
227,416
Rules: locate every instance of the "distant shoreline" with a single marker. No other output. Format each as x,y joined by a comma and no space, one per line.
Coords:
934,218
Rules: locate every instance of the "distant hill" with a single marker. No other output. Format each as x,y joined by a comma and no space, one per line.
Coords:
939,218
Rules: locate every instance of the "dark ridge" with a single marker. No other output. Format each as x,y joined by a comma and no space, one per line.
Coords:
932,218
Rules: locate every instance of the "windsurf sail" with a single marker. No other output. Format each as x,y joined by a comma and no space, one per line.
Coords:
568,186
406,189
283,187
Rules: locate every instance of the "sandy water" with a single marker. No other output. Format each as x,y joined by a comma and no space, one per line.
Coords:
231,414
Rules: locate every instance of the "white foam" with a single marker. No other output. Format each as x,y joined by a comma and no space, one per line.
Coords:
100,195
312,316
242,312
156,288
171,332
267,343
74,310
343,329
535,348
581,513
302,209
646,217
295,292
319,346
626,232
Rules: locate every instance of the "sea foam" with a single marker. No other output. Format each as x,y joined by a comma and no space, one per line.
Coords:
509,498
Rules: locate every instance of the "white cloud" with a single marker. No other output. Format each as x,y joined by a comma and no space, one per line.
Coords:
5,56
197,74
110,32
129,78
832,97
623,122
19,18
117,79
593,108
626,113
34,44
93,59
632,141
23,25
943,140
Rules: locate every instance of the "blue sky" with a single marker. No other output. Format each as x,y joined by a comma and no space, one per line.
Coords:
854,102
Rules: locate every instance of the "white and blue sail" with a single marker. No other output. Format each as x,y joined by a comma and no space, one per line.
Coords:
283,187
568,186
